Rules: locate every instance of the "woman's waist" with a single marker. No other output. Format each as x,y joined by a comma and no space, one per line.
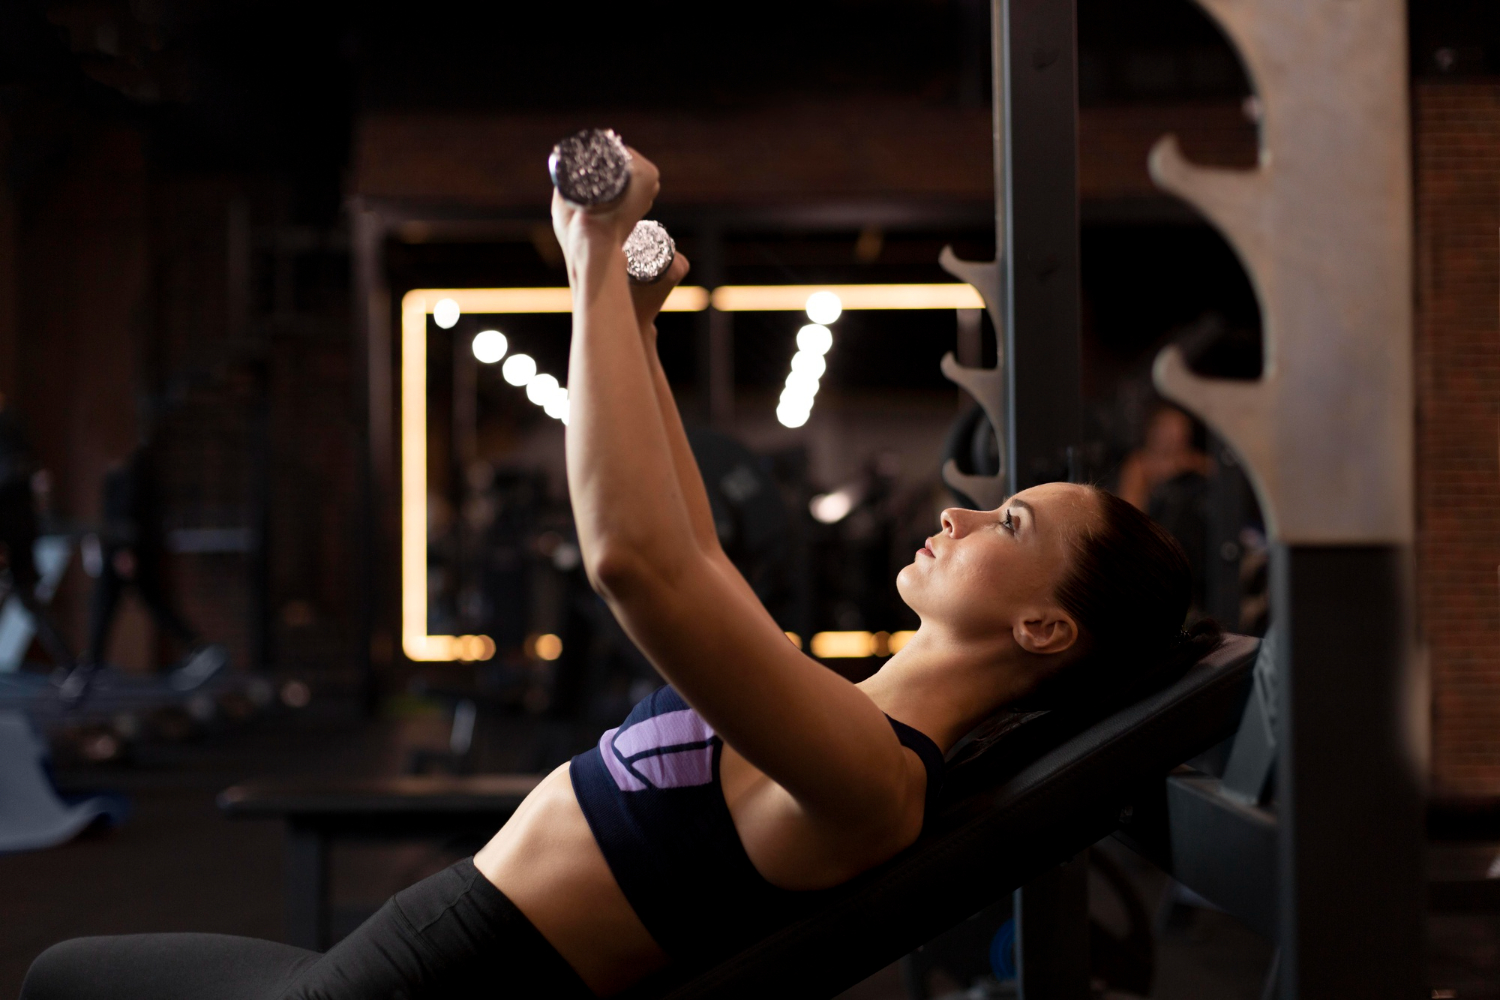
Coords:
546,860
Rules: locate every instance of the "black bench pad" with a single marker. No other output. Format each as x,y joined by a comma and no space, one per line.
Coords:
985,844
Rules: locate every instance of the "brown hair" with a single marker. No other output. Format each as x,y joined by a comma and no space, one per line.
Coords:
1129,590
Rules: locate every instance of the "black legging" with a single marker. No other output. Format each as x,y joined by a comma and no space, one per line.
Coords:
452,936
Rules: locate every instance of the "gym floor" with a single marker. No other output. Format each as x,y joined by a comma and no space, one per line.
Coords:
177,864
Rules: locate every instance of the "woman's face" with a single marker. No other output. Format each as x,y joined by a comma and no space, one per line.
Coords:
986,572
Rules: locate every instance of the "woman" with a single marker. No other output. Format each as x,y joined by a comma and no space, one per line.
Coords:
726,801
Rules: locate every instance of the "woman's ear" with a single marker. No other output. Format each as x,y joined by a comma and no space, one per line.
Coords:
1047,631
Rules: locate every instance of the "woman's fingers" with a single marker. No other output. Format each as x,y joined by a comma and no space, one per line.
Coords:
578,227
648,299
679,270
645,182
562,213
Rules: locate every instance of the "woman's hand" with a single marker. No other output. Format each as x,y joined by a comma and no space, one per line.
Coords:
591,238
648,299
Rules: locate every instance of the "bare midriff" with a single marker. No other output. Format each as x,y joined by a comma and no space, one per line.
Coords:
545,859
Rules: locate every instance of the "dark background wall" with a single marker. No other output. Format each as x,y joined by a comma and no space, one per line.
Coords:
175,250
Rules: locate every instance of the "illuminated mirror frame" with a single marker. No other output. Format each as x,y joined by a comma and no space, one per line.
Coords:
416,306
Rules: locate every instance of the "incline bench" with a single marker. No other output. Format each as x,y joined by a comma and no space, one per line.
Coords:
980,846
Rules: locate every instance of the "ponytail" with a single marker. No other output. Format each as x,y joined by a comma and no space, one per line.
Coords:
1129,590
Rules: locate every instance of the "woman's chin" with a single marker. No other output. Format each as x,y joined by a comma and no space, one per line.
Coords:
906,584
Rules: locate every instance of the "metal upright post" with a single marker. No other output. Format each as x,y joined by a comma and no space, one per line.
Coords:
715,335
1348,788
1226,517
1326,437
1036,88
373,361
1052,934
1036,176
306,902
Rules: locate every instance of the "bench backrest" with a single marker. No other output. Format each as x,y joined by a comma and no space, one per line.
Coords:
986,843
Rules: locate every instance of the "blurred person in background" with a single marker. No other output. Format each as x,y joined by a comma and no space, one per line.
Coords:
132,547
21,480
1167,478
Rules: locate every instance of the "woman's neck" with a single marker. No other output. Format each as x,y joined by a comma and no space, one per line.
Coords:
944,688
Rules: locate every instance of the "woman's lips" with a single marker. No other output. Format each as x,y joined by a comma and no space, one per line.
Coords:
926,550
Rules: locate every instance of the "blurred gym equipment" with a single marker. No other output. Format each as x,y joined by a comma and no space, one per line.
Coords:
317,815
32,814
18,622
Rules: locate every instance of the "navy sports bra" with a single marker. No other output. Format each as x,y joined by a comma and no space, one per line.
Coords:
650,791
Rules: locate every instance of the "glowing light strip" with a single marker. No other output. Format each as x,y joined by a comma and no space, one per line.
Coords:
844,645
417,304
415,641
684,298
793,298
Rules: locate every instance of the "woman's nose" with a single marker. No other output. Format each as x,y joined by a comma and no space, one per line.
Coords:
953,522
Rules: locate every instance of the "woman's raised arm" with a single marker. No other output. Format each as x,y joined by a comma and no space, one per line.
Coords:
649,550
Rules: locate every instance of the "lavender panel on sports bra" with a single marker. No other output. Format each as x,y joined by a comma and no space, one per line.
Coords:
670,729
681,769
671,750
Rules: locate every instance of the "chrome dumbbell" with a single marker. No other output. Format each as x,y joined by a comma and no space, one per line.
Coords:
649,251
591,169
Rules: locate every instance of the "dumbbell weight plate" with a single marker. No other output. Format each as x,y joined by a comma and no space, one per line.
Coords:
591,168
649,251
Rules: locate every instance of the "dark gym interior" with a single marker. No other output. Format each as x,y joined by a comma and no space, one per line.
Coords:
295,609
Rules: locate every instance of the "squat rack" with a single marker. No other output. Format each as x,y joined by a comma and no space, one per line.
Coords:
1334,868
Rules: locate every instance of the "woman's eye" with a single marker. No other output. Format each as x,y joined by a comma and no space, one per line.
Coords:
1007,524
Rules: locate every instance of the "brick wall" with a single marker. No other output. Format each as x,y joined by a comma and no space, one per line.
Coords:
1457,138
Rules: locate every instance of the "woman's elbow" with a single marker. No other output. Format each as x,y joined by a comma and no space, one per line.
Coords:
616,571
608,568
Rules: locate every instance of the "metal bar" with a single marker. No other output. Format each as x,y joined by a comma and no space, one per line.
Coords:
713,336
306,886
1224,850
720,368
1037,96
1036,251
1052,934
1349,791
374,643
1226,516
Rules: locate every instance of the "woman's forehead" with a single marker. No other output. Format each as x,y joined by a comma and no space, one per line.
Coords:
1061,504
1048,495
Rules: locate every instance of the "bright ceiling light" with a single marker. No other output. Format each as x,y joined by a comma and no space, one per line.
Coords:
791,416
812,364
814,341
490,346
557,406
541,389
815,338
803,383
518,369
824,307
831,508
445,313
